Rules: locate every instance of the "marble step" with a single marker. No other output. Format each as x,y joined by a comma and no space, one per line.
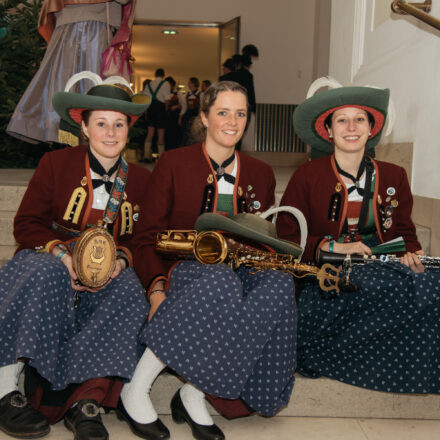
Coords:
10,196
328,398
13,184
6,228
7,252
278,428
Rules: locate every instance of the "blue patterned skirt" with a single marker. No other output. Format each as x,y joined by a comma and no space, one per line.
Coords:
383,337
231,334
68,344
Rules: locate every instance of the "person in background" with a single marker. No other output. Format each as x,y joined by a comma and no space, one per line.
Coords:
176,107
68,28
145,83
205,84
250,50
192,109
228,66
159,91
241,75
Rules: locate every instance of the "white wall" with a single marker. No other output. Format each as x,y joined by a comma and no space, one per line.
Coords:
283,31
402,54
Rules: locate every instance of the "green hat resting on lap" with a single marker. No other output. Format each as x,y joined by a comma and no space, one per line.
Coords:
114,93
309,118
249,226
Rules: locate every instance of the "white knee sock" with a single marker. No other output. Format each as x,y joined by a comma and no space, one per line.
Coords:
194,402
147,149
135,395
9,378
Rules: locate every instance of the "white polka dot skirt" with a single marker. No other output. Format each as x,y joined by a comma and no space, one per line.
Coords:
231,334
65,344
384,337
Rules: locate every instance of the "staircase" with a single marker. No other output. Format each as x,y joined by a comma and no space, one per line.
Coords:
13,184
317,398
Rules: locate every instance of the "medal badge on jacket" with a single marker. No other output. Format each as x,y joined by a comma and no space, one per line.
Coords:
94,257
94,254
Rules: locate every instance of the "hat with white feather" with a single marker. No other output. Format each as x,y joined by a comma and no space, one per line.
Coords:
309,118
108,94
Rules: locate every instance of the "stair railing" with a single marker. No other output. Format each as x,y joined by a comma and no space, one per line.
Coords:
418,10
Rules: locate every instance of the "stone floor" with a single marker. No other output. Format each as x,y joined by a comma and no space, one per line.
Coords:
282,428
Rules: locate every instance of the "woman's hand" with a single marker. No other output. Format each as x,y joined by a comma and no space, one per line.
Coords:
157,297
119,267
66,259
411,260
356,247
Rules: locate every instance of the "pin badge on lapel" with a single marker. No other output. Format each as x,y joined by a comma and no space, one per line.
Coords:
388,222
391,191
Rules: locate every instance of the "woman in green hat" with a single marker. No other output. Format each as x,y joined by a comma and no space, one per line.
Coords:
73,338
383,336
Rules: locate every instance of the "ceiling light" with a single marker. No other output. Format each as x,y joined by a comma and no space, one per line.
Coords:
170,31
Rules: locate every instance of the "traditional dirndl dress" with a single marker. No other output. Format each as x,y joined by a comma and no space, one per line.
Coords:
73,47
231,334
64,342
385,336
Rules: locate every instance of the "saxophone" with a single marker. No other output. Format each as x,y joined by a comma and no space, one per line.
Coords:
211,247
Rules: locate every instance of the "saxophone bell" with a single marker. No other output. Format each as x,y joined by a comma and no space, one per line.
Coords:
210,247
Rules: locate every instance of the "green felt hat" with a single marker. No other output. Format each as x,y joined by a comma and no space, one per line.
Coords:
249,226
310,115
105,95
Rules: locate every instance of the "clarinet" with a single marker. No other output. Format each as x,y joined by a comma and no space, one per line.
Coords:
347,259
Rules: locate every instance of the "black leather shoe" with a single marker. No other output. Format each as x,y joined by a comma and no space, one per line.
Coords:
200,432
151,431
19,419
84,420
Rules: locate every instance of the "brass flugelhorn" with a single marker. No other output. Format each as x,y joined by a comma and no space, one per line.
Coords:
211,247
350,259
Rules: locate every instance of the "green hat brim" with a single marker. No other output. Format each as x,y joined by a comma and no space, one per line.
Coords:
241,225
70,106
309,116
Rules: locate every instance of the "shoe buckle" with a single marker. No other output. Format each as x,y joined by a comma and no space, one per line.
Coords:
18,400
90,410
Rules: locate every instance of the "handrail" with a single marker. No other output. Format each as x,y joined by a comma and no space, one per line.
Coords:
415,9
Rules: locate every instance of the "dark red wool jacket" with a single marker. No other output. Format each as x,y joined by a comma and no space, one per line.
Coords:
61,191
316,189
177,195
